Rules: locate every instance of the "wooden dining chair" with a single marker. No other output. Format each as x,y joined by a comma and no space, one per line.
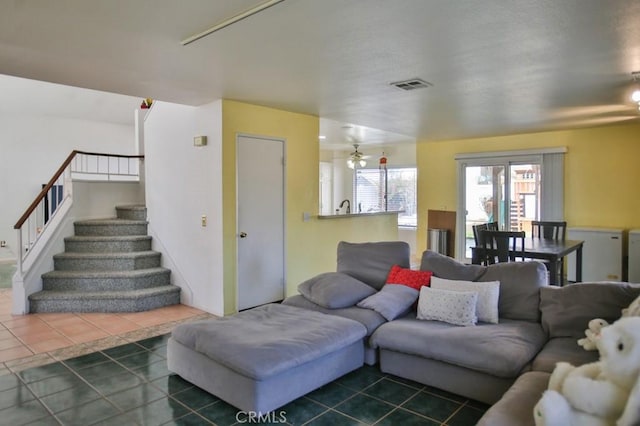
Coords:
477,229
477,236
503,246
550,230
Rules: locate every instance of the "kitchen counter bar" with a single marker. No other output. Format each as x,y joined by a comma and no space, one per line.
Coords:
350,215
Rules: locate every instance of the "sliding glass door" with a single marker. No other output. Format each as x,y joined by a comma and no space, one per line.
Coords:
504,190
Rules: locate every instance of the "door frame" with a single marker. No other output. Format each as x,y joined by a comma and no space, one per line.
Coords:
284,210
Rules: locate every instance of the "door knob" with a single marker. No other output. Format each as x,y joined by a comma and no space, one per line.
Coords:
243,235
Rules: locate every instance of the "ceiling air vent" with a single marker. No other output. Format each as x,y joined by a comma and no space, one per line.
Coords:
412,84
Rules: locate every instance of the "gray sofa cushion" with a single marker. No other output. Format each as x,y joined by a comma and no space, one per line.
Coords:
392,301
371,262
516,406
502,350
449,268
520,284
335,290
566,311
270,339
367,317
562,349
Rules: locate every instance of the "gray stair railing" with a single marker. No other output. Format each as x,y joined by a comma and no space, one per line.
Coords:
35,226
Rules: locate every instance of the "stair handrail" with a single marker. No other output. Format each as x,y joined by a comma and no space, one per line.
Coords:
64,172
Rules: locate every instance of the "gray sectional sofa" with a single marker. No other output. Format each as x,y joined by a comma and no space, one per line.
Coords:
369,263
505,364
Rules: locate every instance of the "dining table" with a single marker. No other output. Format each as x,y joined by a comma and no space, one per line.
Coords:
544,249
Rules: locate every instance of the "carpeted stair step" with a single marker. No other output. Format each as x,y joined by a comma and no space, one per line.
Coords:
92,281
106,261
108,266
104,301
133,212
109,244
110,227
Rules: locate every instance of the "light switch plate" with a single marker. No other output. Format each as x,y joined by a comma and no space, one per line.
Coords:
199,141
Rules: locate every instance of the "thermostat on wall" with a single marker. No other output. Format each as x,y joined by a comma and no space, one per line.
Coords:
199,141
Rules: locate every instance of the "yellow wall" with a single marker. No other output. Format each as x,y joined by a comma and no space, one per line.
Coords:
301,135
310,246
602,173
327,233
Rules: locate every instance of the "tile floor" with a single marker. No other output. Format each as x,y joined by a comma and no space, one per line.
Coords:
110,369
130,385
36,339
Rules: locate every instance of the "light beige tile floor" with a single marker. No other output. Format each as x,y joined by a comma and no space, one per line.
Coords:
36,339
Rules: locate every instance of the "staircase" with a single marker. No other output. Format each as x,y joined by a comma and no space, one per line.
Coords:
108,266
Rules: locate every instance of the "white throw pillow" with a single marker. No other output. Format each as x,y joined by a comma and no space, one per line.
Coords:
454,307
488,295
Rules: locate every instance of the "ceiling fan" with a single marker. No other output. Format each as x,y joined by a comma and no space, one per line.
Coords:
356,158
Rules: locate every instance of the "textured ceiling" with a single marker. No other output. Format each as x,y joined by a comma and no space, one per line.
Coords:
497,67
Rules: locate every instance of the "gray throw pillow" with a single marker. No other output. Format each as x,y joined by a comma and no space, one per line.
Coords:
335,290
447,267
391,301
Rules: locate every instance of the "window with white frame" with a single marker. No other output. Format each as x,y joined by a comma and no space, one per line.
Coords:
393,189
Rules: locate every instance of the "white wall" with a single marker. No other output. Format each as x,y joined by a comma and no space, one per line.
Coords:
96,200
33,147
183,183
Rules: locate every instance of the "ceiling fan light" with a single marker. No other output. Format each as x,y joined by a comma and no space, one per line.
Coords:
362,163
635,96
350,163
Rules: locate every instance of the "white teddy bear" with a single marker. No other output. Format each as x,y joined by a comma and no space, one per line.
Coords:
595,326
606,392
589,343
633,310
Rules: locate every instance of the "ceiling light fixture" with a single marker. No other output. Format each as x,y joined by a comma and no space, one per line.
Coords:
356,158
229,21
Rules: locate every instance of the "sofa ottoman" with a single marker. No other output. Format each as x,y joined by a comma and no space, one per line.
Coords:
263,358
367,317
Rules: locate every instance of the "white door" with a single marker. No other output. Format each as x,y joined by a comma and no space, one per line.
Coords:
260,219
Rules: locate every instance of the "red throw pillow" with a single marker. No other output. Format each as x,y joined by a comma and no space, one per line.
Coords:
409,277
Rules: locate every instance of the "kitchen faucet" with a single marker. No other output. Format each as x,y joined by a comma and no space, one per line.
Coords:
348,205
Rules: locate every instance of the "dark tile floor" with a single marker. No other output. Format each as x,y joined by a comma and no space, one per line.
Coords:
130,385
